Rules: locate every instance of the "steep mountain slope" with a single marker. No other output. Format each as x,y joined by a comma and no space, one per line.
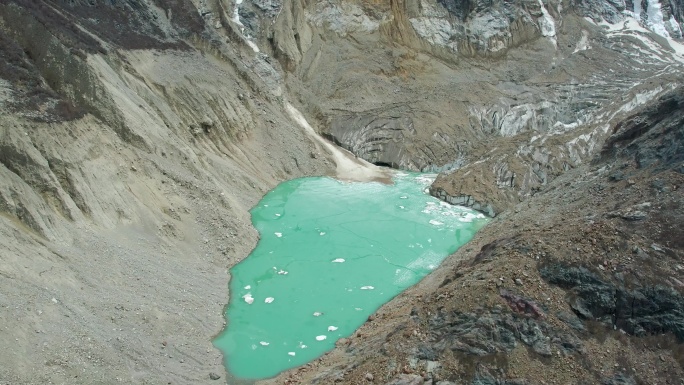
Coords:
118,221
135,135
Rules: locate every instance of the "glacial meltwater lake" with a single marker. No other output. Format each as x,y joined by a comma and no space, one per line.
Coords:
330,254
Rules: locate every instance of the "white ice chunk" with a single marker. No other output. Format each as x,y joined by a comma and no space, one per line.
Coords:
269,299
403,197
282,272
277,215
367,287
322,233
332,328
248,287
264,343
291,354
655,18
338,260
279,235
582,45
321,338
435,223
248,298
317,314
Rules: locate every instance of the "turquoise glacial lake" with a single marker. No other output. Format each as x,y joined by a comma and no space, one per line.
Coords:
330,254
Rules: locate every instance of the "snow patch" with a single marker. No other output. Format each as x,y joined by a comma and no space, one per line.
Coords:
640,99
637,10
547,24
236,19
675,26
583,43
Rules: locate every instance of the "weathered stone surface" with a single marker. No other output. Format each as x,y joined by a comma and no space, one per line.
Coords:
521,305
487,333
653,137
619,379
640,311
407,379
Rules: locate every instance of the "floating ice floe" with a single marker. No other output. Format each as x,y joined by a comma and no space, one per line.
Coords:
264,343
367,287
317,314
322,233
302,346
248,287
321,338
402,207
278,235
248,298
332,328
435,223
269,299
338,260
403,197
426,179
277,215
282,272
291,354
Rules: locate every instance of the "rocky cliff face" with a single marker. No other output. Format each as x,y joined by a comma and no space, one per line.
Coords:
501,97
134,138
135,135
